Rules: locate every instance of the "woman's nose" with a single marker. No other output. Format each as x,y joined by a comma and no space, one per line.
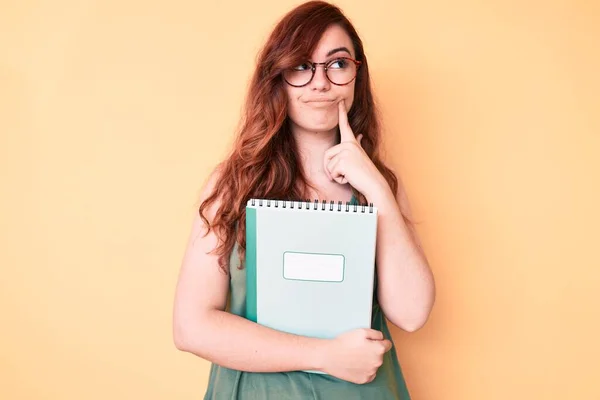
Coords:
320,81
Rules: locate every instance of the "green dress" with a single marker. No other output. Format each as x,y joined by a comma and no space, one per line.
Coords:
228,384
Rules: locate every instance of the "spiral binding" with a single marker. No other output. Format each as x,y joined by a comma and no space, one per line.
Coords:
312,205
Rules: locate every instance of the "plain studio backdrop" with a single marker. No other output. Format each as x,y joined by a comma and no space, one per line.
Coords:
112,114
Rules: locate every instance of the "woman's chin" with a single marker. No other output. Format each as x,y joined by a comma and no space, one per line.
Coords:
323,123
320,126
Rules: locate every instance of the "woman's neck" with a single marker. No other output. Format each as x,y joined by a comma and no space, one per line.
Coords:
312,146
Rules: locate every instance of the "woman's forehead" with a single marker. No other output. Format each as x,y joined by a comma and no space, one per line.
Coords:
334,38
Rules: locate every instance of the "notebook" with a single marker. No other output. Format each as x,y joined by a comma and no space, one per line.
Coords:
310,265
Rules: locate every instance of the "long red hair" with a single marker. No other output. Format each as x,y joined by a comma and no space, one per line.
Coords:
264,161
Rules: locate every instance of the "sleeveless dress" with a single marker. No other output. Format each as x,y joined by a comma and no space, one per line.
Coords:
228,384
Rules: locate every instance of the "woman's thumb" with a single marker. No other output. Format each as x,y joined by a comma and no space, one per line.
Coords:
373,334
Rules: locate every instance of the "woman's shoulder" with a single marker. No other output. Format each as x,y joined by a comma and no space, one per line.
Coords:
215,176
208,188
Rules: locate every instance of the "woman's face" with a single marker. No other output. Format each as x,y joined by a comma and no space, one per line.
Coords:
314,107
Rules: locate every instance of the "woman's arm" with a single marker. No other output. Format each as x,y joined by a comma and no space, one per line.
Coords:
406,287
406,290
202,327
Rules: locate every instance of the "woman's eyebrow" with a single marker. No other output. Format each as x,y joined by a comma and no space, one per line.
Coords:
338,49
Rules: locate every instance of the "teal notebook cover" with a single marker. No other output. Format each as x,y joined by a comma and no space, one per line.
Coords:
310,266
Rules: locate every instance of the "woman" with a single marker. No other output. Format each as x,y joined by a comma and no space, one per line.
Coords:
309,131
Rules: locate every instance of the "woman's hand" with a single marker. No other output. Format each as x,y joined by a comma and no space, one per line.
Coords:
355,356
347,162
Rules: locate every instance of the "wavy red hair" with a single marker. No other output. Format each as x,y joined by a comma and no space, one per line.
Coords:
264,161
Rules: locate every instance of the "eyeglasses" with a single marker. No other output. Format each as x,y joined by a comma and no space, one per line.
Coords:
340,71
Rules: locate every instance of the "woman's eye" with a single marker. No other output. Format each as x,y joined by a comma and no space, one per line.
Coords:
338,64
302,67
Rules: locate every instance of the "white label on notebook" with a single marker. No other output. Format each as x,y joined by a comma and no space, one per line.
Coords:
313,267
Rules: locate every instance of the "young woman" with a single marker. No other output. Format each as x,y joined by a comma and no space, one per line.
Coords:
310,131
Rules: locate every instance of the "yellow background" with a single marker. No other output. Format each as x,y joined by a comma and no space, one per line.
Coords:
112,113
